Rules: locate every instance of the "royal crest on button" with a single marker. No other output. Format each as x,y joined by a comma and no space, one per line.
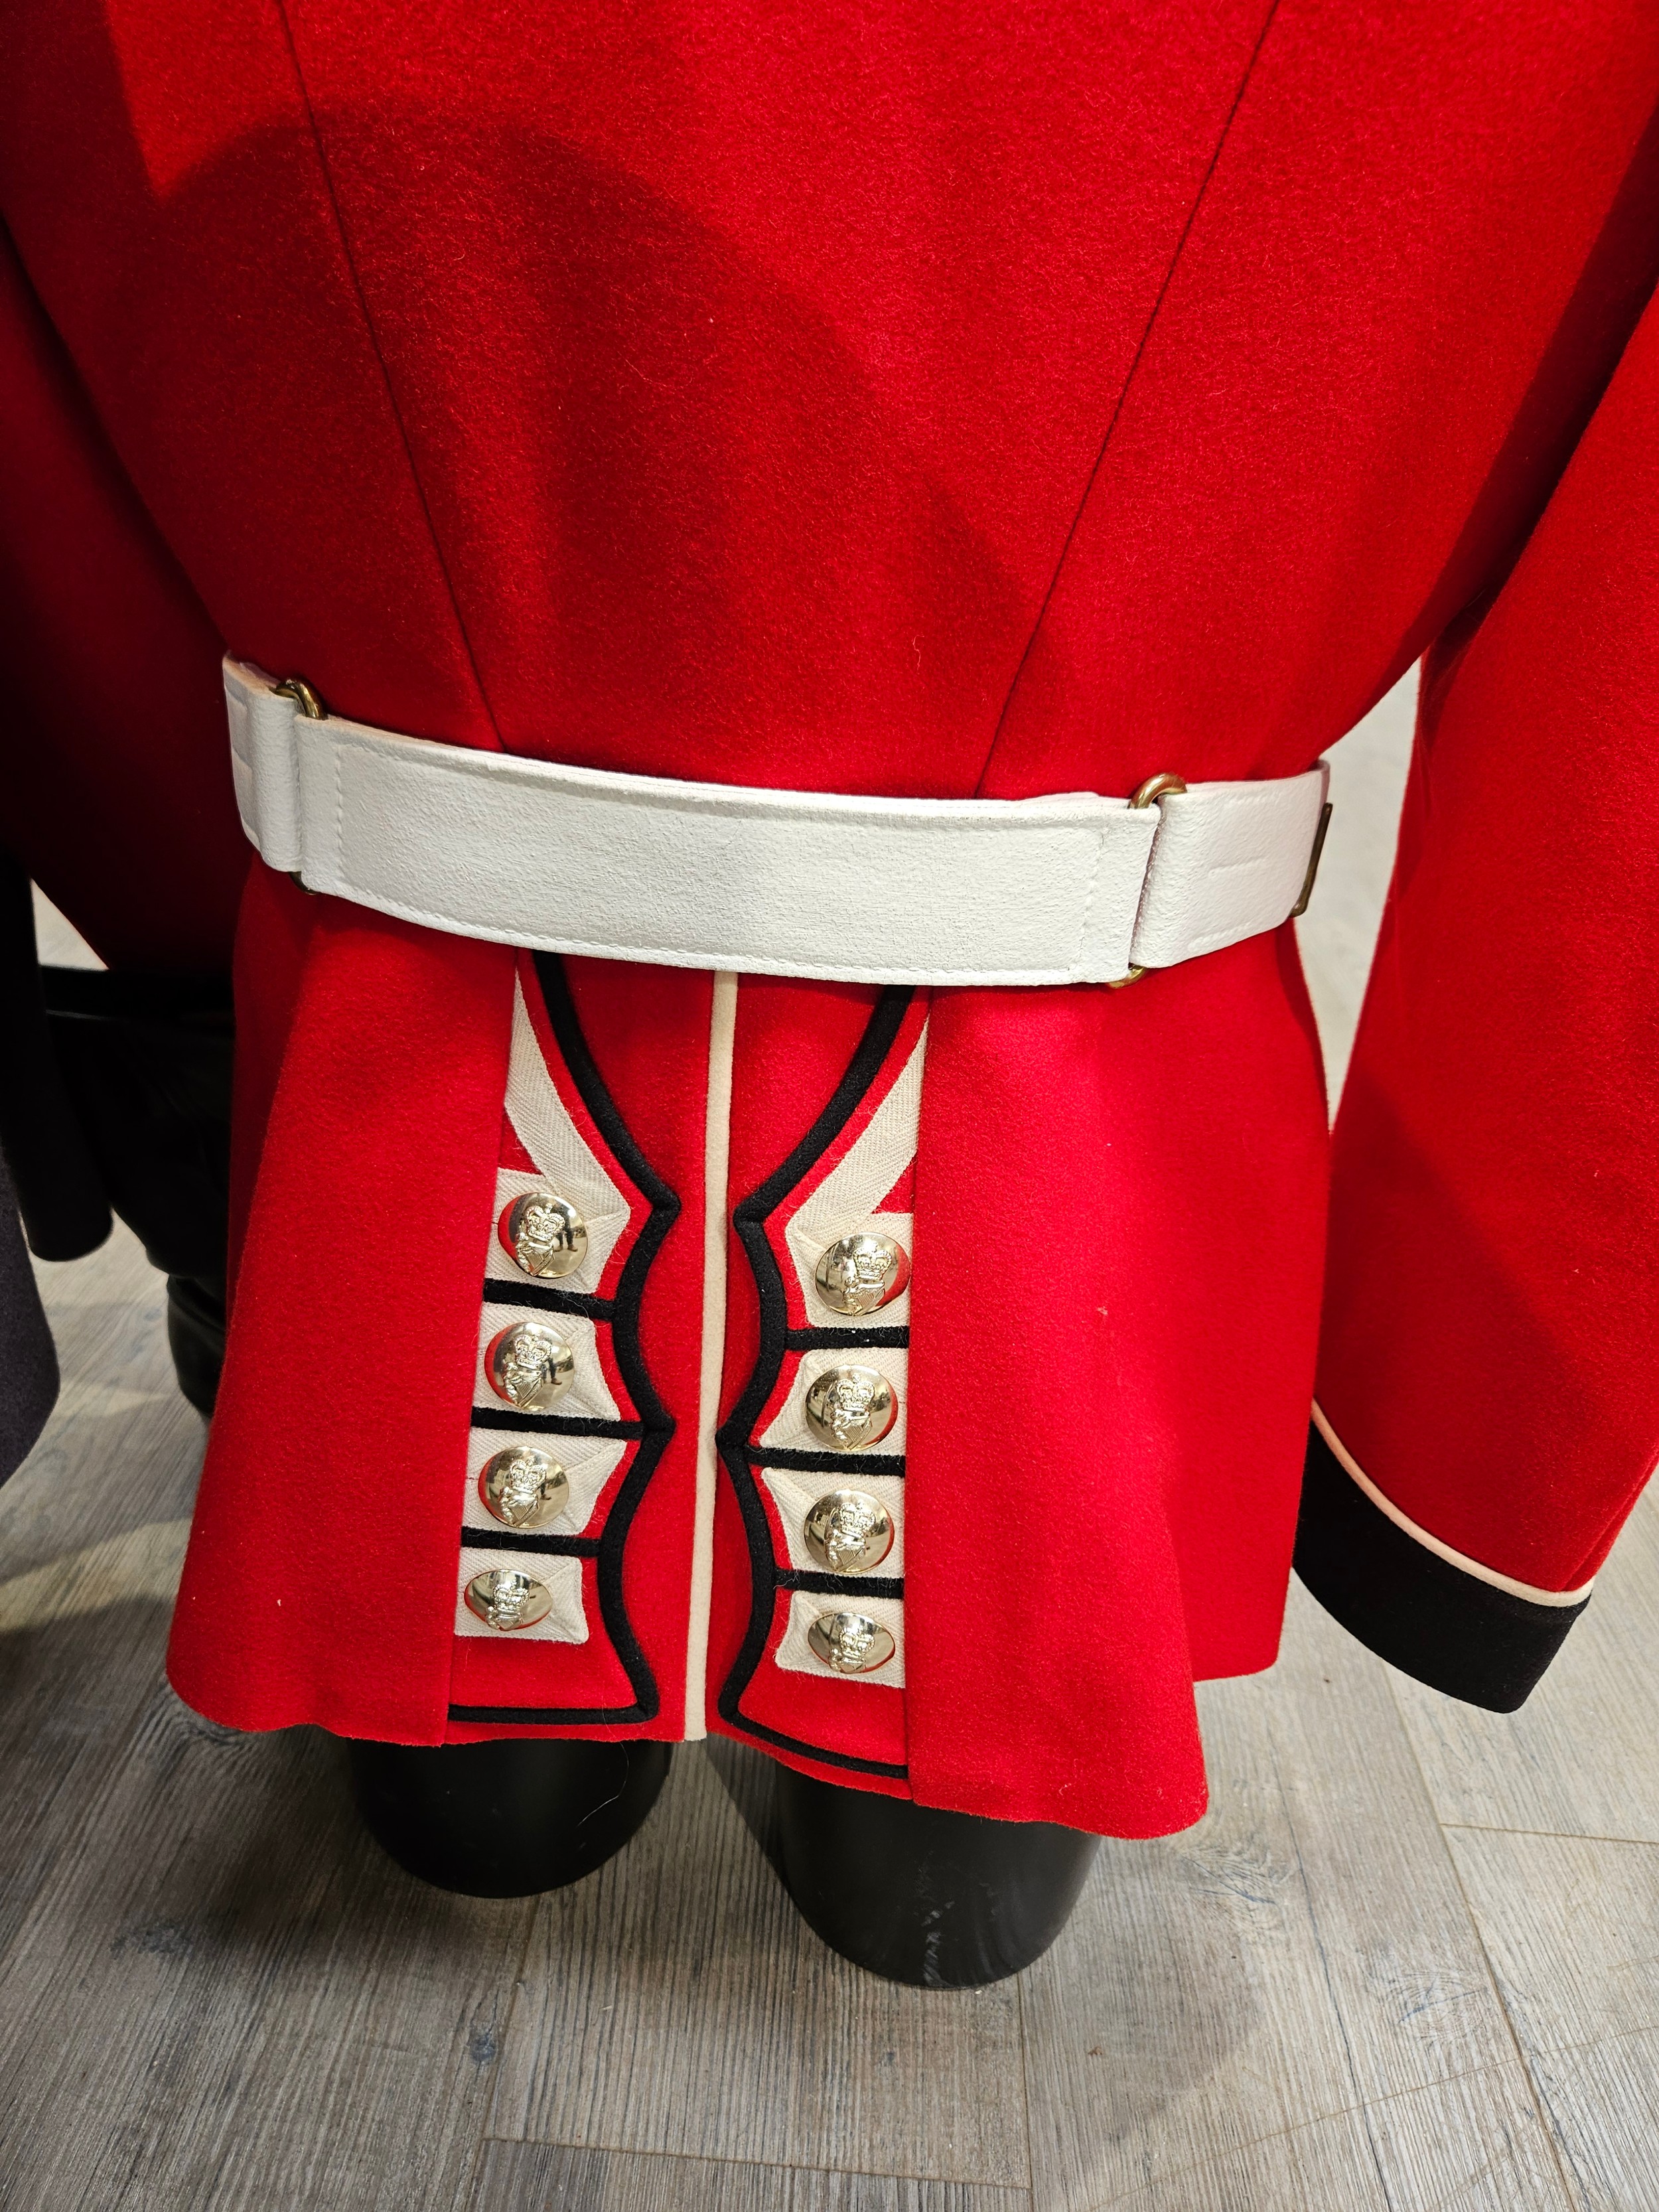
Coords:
849,1408
525,1488
849,1532
851,1643
543,1233
506,1598
861,1274
530,1365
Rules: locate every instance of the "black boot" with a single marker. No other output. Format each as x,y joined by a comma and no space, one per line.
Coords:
943,1900
509,1817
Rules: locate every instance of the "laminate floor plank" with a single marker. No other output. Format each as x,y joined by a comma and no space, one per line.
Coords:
1579,1757
680,2005
1572,1929
213,1989
1289,2004
92,1530
1391,2155
548,2178
225,1996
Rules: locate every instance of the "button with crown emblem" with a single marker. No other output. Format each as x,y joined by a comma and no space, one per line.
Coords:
525,1488
849,1531
861,1274
530,1365
849,1408
851,1643
544,1234
505,1597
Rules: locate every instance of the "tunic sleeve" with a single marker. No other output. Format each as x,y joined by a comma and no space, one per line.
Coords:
1488,1396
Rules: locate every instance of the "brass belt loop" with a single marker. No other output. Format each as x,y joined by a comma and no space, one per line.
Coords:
1156,787
309,701
305,697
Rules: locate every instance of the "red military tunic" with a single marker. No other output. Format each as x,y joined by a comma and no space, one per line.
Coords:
976,402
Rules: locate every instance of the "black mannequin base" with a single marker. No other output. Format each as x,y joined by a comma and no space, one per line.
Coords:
507,1817
942,1900
196,1338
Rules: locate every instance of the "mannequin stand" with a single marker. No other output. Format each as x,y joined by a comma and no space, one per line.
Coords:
507,1817
941,1900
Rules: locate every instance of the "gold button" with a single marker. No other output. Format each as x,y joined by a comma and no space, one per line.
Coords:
504,1598
525,1488
530,1365
849,1408
545,1234
847,1530
861,1274
851,1643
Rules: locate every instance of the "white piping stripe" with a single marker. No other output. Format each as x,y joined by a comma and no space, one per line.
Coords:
716,1162
1460,1559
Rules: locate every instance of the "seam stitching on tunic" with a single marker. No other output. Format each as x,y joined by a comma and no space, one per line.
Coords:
381,363
1123,391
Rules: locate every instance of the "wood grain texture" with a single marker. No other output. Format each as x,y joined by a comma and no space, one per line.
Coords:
1572,1929
89,1543
1289,2004
1579,1758
544,2178
256,2006
695,2014
213,1989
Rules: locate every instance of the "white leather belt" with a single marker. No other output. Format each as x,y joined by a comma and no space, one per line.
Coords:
1075,889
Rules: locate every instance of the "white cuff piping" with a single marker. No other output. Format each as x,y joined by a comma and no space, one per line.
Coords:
1532,1594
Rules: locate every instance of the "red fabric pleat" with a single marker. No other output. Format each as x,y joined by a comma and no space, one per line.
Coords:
320,1582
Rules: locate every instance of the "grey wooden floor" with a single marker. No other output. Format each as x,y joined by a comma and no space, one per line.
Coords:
1408,1961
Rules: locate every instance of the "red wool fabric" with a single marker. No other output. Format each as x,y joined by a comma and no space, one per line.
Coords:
1493,1296
993,403
307,1588
117,789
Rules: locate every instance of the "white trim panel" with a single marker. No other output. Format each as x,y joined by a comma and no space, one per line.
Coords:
716,1164
795,1494
543,1124
844,1202
587,1398
564,1622
797,1655
588,1461
788,1429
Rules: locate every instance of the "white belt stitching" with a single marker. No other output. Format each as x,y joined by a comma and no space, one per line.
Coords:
1075,888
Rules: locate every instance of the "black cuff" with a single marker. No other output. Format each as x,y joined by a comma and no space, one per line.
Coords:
1413,1608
